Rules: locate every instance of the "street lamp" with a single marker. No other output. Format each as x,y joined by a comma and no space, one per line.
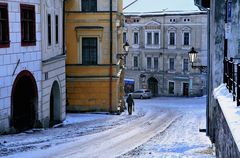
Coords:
126,49
193,57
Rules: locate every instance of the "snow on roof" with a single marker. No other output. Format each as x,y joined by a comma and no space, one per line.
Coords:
176,12
230,111
157,5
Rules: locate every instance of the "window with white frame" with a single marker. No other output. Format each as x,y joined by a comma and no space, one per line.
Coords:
135,61
186,38
152,39
185,64
172,38
149,62
155,60
135,38
56,29
156,38
171,63
149,38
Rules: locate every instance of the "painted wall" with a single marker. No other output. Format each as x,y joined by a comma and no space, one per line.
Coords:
88,86
194,23
53,65
29,58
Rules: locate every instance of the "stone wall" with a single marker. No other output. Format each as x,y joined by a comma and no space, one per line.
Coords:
226,146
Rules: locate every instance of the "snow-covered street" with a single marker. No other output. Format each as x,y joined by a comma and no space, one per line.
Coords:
159,127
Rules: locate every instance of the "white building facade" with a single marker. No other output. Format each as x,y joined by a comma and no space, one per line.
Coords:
158,58
22,67
53,63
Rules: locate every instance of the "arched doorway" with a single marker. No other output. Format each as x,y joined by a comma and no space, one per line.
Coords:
55,105
153,86
24,101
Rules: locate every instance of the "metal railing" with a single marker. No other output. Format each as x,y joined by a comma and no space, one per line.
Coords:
232,77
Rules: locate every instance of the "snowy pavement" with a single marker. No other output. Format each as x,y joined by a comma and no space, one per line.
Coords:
160,127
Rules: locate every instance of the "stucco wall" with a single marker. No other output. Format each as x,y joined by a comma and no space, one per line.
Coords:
29,56
162,23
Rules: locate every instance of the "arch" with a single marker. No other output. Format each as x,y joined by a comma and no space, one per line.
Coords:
186,28
153,85
24,101
55,104
172,29
152,23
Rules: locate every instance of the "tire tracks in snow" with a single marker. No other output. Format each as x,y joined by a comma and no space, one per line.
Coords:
113,142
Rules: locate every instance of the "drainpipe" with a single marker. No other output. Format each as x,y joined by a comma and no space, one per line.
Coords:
63,29
208,67
110,51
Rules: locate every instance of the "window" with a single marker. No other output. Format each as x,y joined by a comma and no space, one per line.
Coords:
156,38
156,63
186,38
172,38
185,64
56,29
124,37
89,5
172,20
49,30
28,28
171,63
135,40
149,62
89,51
171,87
135,62
4,26
152,38
149,38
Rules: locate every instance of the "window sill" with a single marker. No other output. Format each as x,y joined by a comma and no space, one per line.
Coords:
25,44
5,45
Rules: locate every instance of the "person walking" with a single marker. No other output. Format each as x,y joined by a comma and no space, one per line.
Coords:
130,103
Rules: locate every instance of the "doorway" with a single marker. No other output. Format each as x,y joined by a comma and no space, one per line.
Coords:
153,86
55,105
24,101
186,89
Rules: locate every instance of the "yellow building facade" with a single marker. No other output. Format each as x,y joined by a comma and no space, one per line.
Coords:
94,40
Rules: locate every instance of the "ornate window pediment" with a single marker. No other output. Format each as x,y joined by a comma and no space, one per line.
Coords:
151,25
186,28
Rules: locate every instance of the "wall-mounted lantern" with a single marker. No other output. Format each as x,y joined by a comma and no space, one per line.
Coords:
193,55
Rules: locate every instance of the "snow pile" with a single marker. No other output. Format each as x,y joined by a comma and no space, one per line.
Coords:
73,118
230,111
222,92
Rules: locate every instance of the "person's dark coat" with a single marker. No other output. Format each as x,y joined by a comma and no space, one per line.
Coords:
130,100
130,103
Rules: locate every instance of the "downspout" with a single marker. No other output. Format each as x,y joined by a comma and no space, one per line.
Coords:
63,29
208,68
110,51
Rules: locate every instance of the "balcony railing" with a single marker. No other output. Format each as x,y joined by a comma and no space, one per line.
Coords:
232,77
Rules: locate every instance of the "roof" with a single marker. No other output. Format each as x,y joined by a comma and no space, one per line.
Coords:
164,13
159,5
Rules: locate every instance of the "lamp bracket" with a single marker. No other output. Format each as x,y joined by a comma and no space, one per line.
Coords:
203,69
